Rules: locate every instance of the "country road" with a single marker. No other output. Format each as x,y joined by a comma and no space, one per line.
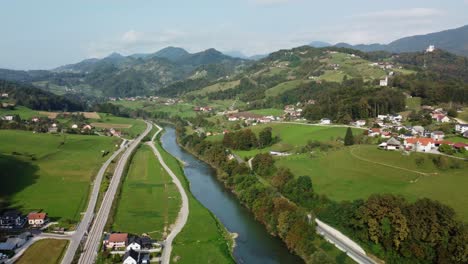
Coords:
93,239
76,238
342,242
184,210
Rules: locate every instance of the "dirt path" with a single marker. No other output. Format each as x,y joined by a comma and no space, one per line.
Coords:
352,151
184,210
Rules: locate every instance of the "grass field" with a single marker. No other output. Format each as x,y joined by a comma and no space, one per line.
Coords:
284,87
148,195
130,126
352,67
43,171
220,86
413,103
46,251
350,175
23,112
463,115
293,136
203,239
268,112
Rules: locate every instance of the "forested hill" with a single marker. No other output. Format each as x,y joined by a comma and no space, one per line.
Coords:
123,76
37,99
453,40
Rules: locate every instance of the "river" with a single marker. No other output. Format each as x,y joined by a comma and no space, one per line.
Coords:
254,244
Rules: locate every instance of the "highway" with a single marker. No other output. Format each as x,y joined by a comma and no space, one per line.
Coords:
77,236
93,240
184,210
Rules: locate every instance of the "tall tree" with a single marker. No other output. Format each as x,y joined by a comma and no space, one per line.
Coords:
264,137
349,138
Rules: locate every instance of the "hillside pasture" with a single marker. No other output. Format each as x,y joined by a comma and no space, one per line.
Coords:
359,171
149,195
220,86
284,87
294,136
23,112
39,170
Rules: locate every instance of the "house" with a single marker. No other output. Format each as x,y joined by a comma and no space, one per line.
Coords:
4,95
386,134
8,118
87,127
115,133
465,135
74,126
384,82
360,123
374,132
461,128
460,145
441,118
419,144
430,49
53,129
37,219
391,144
116,240
134,244
417,130
12,243
12,220
437,135
325,121
233,118
131,257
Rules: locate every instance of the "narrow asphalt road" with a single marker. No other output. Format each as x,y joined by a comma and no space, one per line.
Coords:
89,214
93,239
184,210
345,244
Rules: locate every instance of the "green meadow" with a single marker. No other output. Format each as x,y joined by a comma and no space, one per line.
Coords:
39,170
294,136
23,112
220,86
413,103
203,239
46,251
268,112
359,171
133,126
149,201
284,87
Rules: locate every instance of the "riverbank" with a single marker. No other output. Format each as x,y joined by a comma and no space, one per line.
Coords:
254,244
203,239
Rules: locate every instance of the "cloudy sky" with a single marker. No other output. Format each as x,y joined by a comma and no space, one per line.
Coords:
48,33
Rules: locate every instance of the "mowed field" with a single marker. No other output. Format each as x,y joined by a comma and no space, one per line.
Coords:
130,126
46,251
203,238
294,136
359,171
50,172
148,195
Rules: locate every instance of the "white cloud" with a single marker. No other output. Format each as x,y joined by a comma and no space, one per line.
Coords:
403,13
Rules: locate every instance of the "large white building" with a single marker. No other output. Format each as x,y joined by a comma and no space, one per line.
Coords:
431,48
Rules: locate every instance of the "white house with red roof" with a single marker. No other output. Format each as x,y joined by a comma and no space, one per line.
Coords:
116,240
419,144
37,219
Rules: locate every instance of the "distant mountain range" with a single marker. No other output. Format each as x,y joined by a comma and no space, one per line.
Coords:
453,40
137,74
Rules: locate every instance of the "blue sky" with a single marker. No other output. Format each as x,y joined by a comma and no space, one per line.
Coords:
45,34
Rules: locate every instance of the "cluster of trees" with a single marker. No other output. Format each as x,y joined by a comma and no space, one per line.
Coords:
247,140
281,216
352,100
38,99
425,231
